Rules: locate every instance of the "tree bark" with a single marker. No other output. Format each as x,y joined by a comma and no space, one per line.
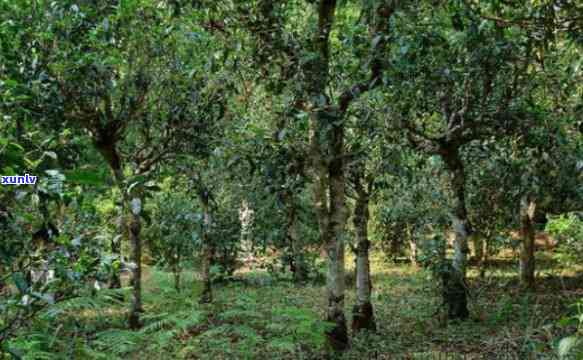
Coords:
297,263
330,204
412,247
485,255
176,271
478,241
336,230
336,261
456,295
460,220
246,215
326,151
134,228
527,259
395,247
363,312
207,256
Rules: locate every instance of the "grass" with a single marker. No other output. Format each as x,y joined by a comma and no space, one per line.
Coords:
264,318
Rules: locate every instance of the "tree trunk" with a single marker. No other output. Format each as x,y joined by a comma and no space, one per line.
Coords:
457,295
246,215
297,263
395,247
336,283
527,259
207,256
479,245
454,293
330,204
134,228
206,296
412,247
478,241
336,230
363,312
485,254
176,271
327,155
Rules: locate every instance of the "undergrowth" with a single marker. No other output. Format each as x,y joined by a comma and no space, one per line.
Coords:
274,319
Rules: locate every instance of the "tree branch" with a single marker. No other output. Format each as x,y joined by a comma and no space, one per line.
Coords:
378,47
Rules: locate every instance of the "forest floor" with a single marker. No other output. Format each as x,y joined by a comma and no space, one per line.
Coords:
265,318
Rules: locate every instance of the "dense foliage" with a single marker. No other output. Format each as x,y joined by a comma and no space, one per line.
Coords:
182,179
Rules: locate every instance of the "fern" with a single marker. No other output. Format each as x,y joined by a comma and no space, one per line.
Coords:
119,342
164,321
99,303
180,321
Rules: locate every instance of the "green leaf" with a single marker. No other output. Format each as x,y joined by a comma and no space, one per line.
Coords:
132,186
85,177
50,154
53,172
566,345
9,83
152,186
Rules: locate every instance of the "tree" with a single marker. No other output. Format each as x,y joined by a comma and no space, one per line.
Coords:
119,74
363,315
475,101
312,58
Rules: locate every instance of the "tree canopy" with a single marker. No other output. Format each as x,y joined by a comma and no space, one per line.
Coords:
293,179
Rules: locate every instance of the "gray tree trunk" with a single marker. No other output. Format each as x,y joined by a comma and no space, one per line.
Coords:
327,152
363,312
456,293
412,247
527,259
330,205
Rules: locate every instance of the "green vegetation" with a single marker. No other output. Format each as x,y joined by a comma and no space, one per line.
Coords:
300,179
260,316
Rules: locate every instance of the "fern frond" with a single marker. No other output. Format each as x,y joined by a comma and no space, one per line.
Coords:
119,342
